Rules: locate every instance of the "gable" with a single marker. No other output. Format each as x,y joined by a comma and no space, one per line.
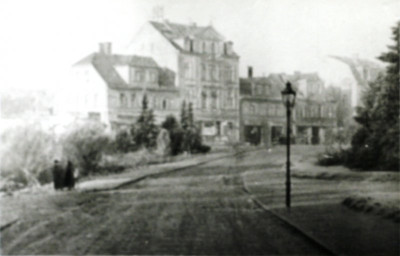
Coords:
209,33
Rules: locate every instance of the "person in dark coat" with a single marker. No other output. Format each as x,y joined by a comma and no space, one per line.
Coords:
58,177
69,180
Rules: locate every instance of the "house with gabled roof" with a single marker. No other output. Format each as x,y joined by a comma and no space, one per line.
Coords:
206,68
109,88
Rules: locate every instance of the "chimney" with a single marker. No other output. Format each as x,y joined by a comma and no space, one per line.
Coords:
250,72
105,48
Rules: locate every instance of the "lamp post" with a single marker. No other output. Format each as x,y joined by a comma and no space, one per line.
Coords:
288,98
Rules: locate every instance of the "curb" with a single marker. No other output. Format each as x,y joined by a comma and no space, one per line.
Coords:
160,174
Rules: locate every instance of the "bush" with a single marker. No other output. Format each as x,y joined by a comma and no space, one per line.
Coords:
26,152
85,145
117,163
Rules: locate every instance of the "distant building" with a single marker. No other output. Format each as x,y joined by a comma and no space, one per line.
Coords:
263,116
206,68
363,71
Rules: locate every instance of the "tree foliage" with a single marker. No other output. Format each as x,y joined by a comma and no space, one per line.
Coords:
376,142
85,145
26,152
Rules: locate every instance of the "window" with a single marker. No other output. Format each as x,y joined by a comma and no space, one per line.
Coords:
271,110
252,108
153,76
204,100
133,97
214,100
204,47
187,70
260,90
213,73
212,47
122,100
229,100
164,104
203,72
139,75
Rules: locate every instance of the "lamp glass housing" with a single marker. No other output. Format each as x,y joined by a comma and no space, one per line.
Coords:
288,96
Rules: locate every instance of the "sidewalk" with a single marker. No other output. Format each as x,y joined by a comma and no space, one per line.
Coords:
317,205
114,181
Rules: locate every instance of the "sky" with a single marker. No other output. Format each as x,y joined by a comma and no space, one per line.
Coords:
40,40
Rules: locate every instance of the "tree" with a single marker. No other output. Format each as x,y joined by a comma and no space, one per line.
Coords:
85,145
176,134
146,130
376,142
184,116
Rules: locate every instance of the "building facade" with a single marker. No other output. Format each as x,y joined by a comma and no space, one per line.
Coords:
263,115
206,69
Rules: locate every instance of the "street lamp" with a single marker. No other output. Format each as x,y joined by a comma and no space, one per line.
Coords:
288,98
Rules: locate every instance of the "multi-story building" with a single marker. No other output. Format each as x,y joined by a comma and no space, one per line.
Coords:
263,116
206,68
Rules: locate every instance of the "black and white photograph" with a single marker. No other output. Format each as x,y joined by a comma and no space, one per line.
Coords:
199,127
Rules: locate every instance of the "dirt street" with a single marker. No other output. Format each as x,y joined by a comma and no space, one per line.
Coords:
201,210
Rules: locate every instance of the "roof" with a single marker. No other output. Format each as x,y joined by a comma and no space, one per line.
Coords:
273,82
106,66
118,59
173,31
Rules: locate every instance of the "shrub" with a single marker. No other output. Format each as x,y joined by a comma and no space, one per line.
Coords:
85,145
26,152
175,133
331,158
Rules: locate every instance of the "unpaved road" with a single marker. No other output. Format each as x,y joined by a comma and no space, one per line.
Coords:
202,210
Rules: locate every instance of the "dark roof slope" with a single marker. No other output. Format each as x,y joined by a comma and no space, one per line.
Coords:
105,66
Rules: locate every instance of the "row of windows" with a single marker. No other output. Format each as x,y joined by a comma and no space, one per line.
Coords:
210,100
211,72
318,111
207,47
132,101
315,111
264,109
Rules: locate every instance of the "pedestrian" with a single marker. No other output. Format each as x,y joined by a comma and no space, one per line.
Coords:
58,172
69,180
